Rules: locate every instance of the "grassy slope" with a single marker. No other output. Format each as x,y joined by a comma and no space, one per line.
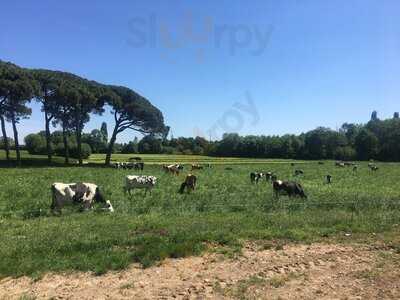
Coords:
225,209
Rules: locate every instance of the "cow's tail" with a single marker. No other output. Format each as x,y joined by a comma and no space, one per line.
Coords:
182,189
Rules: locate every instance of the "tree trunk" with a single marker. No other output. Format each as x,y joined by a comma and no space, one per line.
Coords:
17,150
111,145
5,138
48,137
66,149
79,144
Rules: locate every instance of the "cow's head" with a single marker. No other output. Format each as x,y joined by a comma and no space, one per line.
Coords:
99,196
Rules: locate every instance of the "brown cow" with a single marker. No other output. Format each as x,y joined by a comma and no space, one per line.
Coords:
189,183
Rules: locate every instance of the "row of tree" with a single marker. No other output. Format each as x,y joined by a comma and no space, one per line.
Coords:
68,100
378,139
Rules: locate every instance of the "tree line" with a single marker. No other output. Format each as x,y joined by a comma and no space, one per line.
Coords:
377,139
68,100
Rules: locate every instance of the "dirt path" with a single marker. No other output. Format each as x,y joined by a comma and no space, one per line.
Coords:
317,271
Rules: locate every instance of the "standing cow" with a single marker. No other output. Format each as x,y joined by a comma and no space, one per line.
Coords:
290,188
189,184
139,182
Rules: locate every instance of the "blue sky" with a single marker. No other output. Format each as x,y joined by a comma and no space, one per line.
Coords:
256,67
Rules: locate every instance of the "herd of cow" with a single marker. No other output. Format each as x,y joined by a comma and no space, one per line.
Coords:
86,194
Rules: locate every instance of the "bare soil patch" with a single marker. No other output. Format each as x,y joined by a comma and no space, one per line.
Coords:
263,271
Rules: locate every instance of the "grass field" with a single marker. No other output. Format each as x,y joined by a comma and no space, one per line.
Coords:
225,210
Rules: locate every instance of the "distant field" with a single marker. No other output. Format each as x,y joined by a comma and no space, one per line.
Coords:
224,210
184,159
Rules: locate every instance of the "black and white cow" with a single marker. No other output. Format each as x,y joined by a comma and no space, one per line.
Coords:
83,194
255,177
289,188
139,182
328,179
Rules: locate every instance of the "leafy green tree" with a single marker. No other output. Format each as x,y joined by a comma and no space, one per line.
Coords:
17,88
76,98
374,116
132,111
366,144
49,82
150,145
35,143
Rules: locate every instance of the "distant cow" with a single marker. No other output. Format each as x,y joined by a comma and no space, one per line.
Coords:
189,184
321,163
340,164
171,169
268,176
139,182
255,177
328,179
83,194
197,167
298,172
139,166
374,168
290,188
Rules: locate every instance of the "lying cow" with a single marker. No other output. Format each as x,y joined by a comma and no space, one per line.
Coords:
189,184
84,194
139,182
290,188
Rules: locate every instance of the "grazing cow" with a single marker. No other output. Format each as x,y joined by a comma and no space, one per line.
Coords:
298,172
290,188
139,182
84,194
139,166
328,179
255,177
268,176
374,168
197,167
171,169
189,184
